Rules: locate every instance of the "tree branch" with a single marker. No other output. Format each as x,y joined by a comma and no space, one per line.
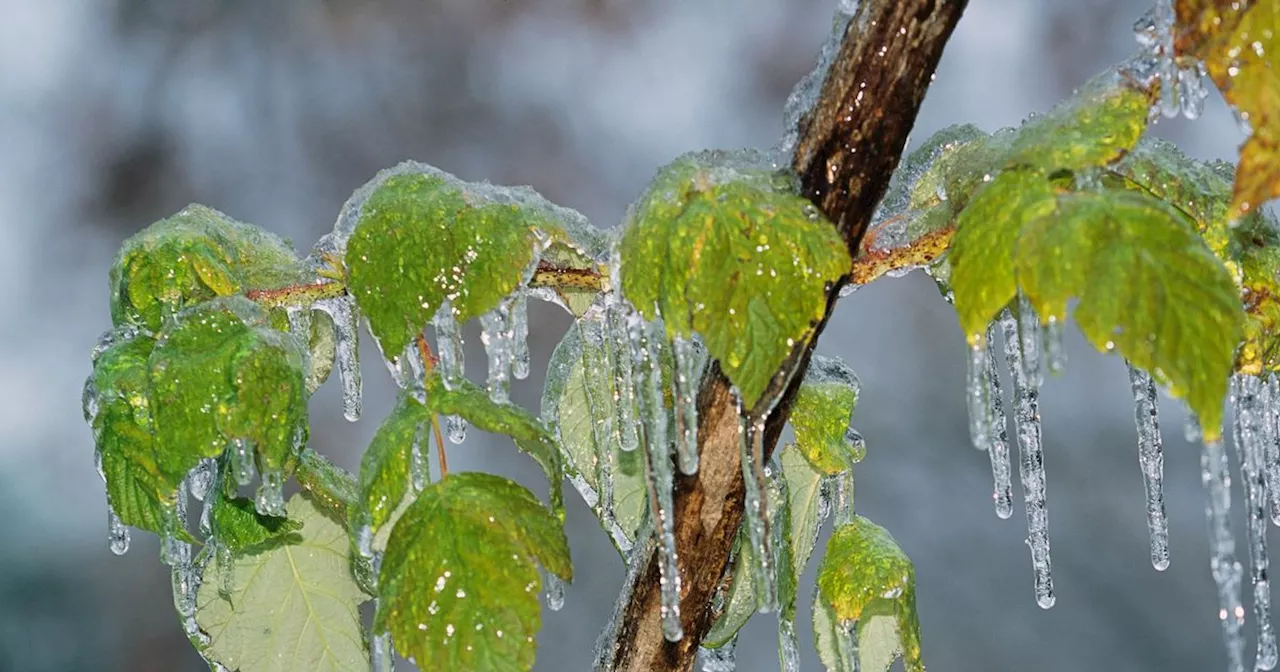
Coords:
849,146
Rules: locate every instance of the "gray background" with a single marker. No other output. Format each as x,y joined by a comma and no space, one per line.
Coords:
115,114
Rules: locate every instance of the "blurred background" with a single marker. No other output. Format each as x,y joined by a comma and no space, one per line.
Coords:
116,113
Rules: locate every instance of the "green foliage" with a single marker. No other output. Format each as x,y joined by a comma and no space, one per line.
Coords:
385,469
820,415
1094,127
191,257
721,246
423,240
239,527
292,606
459,583
331,488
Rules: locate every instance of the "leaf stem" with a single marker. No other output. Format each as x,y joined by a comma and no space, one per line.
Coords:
429,366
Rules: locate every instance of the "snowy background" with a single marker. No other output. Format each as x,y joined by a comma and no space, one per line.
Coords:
116,113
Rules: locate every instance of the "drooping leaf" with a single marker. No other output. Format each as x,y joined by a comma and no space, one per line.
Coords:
864,574
981,255
237,525
526,431
193,256
386,468
879,641
1147,285
331,488
292,607
1238,43
459,584
425,237
217,374
721,246
821,413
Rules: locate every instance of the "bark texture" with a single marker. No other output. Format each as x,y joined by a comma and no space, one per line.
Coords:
849,145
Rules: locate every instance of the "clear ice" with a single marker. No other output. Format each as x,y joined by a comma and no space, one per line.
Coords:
998,449
1182,87
117,532
977,394
847,643
419,465
383,658
495,334
519,327
751,442
687,376
719,660
1271,445
1250,407
1151,462
270,499
1216,478
553,591
347,335
242,458
449,346
596,371
623,378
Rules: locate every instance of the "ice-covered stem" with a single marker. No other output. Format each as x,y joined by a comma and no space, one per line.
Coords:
849,145
330,283
428,366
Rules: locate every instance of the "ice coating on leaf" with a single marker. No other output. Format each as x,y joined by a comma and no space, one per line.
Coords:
1137,303
296,601
1026,410
998,446
688,375
459,583
596,389
117,533
495,334
193,256
553,590
864,574
719,659
382,653
1226,570
1151,463
330,487
805,94
756,511
270,500
624,382
387,472
721,245
821,413
241,454
570,271
1250,398
346,330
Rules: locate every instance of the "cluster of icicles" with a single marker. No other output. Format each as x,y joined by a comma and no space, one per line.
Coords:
1255,404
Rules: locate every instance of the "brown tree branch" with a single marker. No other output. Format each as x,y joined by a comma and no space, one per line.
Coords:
849,146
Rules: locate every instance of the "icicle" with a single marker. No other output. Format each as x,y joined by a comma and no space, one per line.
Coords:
998,449
496,337
1191,91
1226,569
553,591
201,478
172,549
242,461
1029,332
719,660
347,333
1191,430
978,396
117,532
1151,461
788,646
596,369
300,325
1026,403
646,343
847,643
449,346
226,561
409,371
1055,355
456,427
89,400
381,654
1271,444
751,442
840,500
270,500
519,324
687,376
623,377
419,466
1249,411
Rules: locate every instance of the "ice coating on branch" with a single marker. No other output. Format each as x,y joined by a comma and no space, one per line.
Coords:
687,376
383,659
1182,86
495,334
998,448
270,499
1250,401
1216,478
751,451
519,325
720,659
449,346
1271,445
1026,403
646,347
242,468
1151,462
117,532
1055,355
619,342
806,91
977,395
342,310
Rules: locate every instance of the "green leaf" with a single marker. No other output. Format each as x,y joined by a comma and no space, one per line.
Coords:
821,413
291,607
981,255
459,583
864,574
237,525
526,431
217,374
571,272
1147,285
424,237
191,257
386,470
1095,126
330,486
879,641
721,246
575,413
